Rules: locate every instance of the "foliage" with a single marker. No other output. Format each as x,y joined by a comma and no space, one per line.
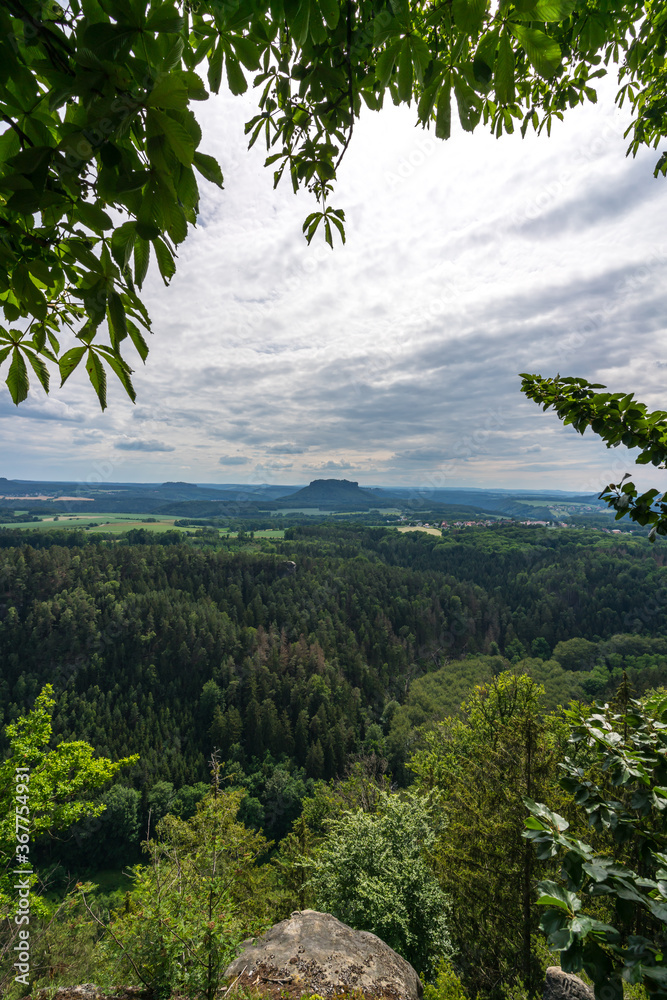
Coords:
53,794
352,654
480,767
371,871
618,418
447,985
617,776
62,948
100,152
361,789
59,780
201,894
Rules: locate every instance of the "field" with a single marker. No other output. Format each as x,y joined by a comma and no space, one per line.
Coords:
114,523
117,524
429,531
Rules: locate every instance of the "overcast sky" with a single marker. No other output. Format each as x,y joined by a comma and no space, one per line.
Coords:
394,359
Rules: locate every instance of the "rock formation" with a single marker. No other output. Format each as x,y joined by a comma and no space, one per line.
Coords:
314,952
560,985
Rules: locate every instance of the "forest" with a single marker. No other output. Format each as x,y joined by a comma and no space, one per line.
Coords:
335,686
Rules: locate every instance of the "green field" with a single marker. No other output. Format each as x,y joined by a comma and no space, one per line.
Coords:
117,524
114,523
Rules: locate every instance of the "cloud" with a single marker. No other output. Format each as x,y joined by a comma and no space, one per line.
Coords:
285,449
421,455
264,467
396,355
333,466
143,446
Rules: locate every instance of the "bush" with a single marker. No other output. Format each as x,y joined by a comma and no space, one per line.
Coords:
372,873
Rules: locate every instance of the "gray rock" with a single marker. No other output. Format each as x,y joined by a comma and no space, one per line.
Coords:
315,952
560,985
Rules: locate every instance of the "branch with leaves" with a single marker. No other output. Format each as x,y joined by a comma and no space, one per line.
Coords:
618,418
624,795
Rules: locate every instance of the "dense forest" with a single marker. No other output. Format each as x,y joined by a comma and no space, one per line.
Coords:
321,669
307,652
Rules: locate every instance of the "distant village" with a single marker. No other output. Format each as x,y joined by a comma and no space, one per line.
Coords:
492,522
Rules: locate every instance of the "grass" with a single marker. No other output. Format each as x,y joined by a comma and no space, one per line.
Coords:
118,524
114,523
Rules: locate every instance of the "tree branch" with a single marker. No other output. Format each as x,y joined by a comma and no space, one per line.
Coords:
350,82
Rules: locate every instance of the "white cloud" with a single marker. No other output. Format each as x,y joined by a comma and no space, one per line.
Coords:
144,446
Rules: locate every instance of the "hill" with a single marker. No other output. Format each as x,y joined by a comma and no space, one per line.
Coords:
337,494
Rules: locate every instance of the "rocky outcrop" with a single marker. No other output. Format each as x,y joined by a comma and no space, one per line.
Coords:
559,985
314,952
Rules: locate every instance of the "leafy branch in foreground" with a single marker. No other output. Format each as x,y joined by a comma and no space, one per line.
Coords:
621,786
100,151
54,792
617,418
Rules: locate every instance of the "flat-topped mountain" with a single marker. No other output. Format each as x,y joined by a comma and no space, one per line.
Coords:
342,494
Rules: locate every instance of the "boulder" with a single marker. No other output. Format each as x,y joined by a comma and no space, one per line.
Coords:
313,952
560,985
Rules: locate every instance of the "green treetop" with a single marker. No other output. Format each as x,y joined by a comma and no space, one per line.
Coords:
51,791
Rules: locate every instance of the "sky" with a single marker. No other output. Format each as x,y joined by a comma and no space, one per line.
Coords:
392,360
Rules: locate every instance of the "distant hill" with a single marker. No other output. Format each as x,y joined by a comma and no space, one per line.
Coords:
337,494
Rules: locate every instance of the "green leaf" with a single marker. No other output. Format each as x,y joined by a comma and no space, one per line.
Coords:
164,18
142,252
122,243
69,361
297,16
405,72
137,339
235,76
504,72
330,12
543,52
208,167
421,57
93,216
468,103
121,369
443,114
385,63
247,51
552,921
97,376
469,15
39,368
548,10
552,894
17,377
165,260
168,92
214,72
178,138
117,317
